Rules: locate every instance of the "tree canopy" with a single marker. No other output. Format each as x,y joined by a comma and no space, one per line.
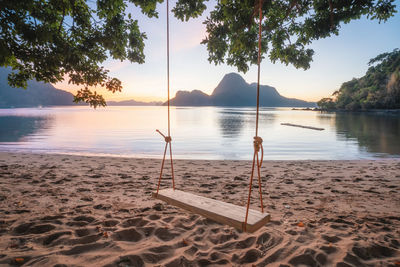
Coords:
49,40
379,88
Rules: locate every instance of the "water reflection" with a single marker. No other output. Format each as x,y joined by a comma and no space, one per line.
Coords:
199,132
16,128
231,122
265,118
374,132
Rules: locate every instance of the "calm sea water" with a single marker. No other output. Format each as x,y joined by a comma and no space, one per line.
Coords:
199,132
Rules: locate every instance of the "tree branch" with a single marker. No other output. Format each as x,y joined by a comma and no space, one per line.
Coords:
331,13
62,20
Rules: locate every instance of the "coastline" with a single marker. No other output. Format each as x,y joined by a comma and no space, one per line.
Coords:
91,211
376,111
365,111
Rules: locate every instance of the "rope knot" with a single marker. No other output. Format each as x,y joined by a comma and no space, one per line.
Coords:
167,139
257,143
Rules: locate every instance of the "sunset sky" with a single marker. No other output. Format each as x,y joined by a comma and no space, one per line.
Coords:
337,59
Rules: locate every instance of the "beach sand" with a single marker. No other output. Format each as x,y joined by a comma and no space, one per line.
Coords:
62,210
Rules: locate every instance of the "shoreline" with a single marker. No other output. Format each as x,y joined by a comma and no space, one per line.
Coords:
373,111
152,157
91,211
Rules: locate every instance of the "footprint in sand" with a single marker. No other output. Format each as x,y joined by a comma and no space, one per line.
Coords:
49,239
31,228
81,221
129,260
252,255
135,222
129,235
83,232
375,251
305,259
165,234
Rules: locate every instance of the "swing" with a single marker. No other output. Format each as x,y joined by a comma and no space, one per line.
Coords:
242,218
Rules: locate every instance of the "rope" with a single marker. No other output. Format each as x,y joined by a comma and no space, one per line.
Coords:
257,140
169,124
167,138
258,65
257,146
257,143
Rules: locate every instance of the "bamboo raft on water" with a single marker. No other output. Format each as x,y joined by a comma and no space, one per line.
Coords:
303,126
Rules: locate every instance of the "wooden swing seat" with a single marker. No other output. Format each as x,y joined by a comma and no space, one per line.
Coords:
215,210
242,218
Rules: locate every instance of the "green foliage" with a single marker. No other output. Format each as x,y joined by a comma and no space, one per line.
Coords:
49,39
326,103
92,98
186,9
378,89
289,26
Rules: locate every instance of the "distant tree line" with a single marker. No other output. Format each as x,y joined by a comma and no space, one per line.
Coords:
379,88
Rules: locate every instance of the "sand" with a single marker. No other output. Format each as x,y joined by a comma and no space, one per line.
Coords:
62,210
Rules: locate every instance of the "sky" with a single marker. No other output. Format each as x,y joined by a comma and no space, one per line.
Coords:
337,59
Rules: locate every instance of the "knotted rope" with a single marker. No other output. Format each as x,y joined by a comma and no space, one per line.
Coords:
258,146
257,140
168,138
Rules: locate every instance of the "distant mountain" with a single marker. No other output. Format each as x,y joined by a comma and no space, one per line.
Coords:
231,91
44,94
193,98
37,94
234,91
133,103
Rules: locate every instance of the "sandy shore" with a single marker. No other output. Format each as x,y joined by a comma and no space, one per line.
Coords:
61,210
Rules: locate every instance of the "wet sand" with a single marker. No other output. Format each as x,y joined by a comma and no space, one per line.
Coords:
62,210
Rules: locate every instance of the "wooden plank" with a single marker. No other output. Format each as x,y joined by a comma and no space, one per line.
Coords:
216,210
303,126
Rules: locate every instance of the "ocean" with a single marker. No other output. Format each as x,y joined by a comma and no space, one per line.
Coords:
199,132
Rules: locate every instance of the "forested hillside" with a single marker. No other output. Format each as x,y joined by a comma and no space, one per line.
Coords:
379,88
